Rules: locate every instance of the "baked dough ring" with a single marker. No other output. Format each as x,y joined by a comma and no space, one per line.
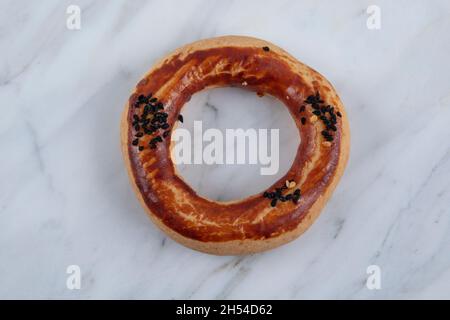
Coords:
252,224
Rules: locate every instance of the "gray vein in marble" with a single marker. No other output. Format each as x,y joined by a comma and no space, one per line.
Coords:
65,197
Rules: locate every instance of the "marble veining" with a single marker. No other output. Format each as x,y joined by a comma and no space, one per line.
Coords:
65,198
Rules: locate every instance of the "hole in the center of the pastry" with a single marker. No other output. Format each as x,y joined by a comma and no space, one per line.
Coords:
233,144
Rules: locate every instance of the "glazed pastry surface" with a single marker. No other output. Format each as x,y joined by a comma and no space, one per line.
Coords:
252,224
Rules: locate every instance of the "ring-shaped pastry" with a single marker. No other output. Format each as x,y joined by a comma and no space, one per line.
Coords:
259,222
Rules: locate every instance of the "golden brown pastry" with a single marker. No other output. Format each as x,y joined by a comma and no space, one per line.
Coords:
259,222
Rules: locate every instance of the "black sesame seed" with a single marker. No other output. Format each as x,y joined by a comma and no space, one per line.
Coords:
266,48
137,127
339,114
278,192
165,126
180,118
297,191
153,100
303,120
314,99
289,197
158,138
282,199
141,148
139,134
316,112
142,99
273,203
135,142
302,108
265,194
166,134
329,138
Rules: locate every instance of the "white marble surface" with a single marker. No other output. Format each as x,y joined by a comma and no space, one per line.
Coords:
65,198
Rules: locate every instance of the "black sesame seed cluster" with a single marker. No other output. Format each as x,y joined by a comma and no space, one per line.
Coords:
280,195
325,113
152,120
